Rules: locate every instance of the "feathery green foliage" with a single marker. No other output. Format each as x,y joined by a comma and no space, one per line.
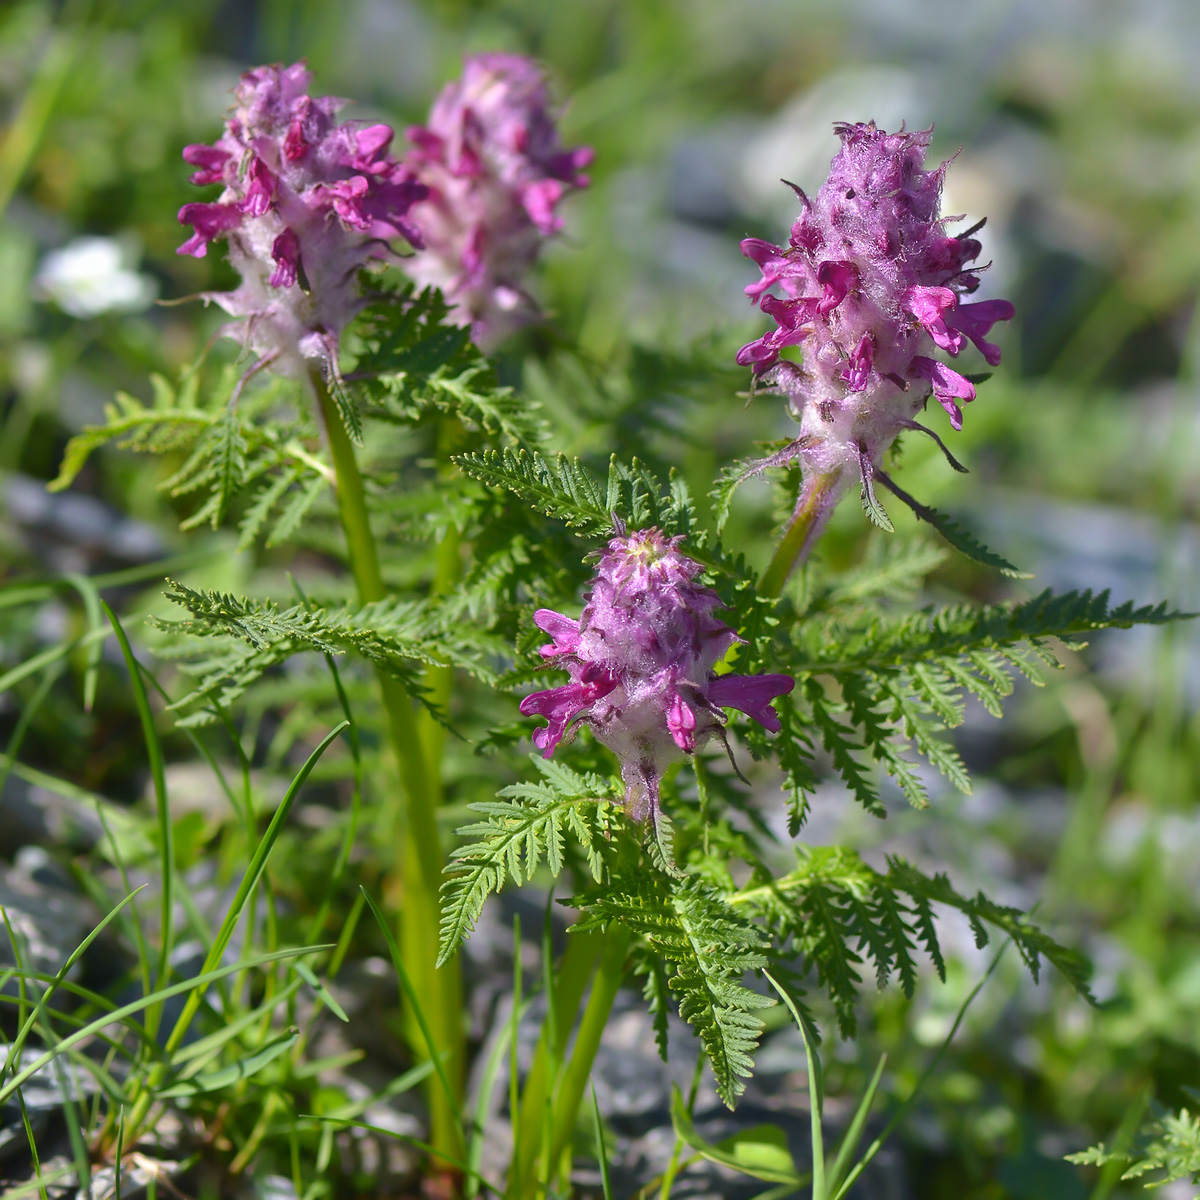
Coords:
841,914
565,489
522,829
242,436
704,947
250,637
1168,1146
411,363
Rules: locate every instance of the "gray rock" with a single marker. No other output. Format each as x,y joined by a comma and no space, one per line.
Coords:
30,814
48,920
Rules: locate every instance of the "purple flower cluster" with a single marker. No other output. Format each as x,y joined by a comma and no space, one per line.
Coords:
871,287
496,171
641,661
307,202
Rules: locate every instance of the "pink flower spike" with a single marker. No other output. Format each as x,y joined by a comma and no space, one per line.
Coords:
496,174
645,645
871,245
301,191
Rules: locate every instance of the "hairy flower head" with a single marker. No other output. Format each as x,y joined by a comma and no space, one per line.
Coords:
307,203
641,659
871,287
496,171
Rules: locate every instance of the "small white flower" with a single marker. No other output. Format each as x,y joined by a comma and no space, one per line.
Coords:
94,275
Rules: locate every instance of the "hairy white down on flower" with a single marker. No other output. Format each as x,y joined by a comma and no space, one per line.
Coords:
93,275
835,437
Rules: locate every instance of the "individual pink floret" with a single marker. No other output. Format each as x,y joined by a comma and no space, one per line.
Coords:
641,659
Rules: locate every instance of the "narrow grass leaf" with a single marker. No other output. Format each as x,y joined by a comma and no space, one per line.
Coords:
119,1014
323,994
816,1088
253,873
18,1044
166,848
601,1147
214,1081
855,1131
902,1111
418,1012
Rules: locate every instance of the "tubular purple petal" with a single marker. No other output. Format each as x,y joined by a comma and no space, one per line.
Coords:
751,694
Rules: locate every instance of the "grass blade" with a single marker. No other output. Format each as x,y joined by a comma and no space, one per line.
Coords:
223,1077
18,1044
166,849
135,1006
487,1085
453,1160
514,1089
28,712
93,609
855,1132
322,992
902,1111
419,1013
253,873
601,1147
816,1089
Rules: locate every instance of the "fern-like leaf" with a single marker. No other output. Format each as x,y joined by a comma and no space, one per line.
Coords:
706,947
523,828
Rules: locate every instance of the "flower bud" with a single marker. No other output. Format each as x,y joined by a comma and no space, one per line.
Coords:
641,660
496,171
306,204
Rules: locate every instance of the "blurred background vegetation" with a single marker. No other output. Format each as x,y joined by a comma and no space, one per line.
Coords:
1075,128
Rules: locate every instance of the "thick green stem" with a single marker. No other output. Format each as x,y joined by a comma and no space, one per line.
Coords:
816,501
439,680
570,981
610,974
421,856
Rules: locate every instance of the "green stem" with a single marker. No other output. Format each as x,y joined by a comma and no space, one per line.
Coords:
570,981
816,500
438,680
421,856
610,974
